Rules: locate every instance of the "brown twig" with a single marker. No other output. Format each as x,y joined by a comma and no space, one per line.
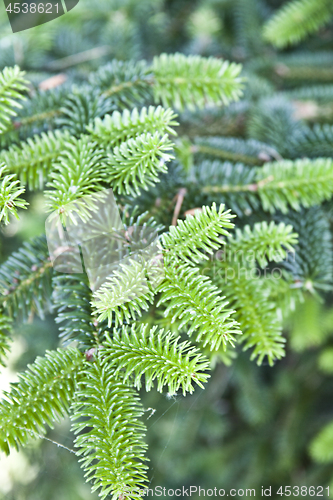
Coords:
180,198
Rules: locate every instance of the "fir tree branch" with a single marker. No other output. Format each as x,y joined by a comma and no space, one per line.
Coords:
111,435
32,160
124,295
43,395
312,262
199,233
250,151
119,127
312,142
5,330
264,242
125,82
159,355
12,86
193,299
297,19
10,191
194,81
285,183
25,280
136,163
256,315
79,171
71,298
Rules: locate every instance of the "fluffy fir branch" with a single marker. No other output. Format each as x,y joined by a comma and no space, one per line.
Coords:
199,233
110,441
124,295
140,222
297,19
258,320
32,160
127,84
191,298
42,396
25,281
33,168
74,107
79,171
12,87
264,242
225,181
255,309
194,81
156,354
282,184
5,330
10,192
137,163
265,126
119,127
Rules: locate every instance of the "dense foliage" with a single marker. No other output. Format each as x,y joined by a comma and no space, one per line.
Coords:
233,167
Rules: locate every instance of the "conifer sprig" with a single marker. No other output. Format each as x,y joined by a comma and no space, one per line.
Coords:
137,163
71,297
303,182
25,281
119,127
127,83
79,171
10,192
5,330
297,19
199,233
257,317
194,300
194,81
12,87
278,185
42,396
124,295
110,441
32,160
156,354
265,242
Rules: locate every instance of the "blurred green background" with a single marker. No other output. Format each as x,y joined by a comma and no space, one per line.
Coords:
252,426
